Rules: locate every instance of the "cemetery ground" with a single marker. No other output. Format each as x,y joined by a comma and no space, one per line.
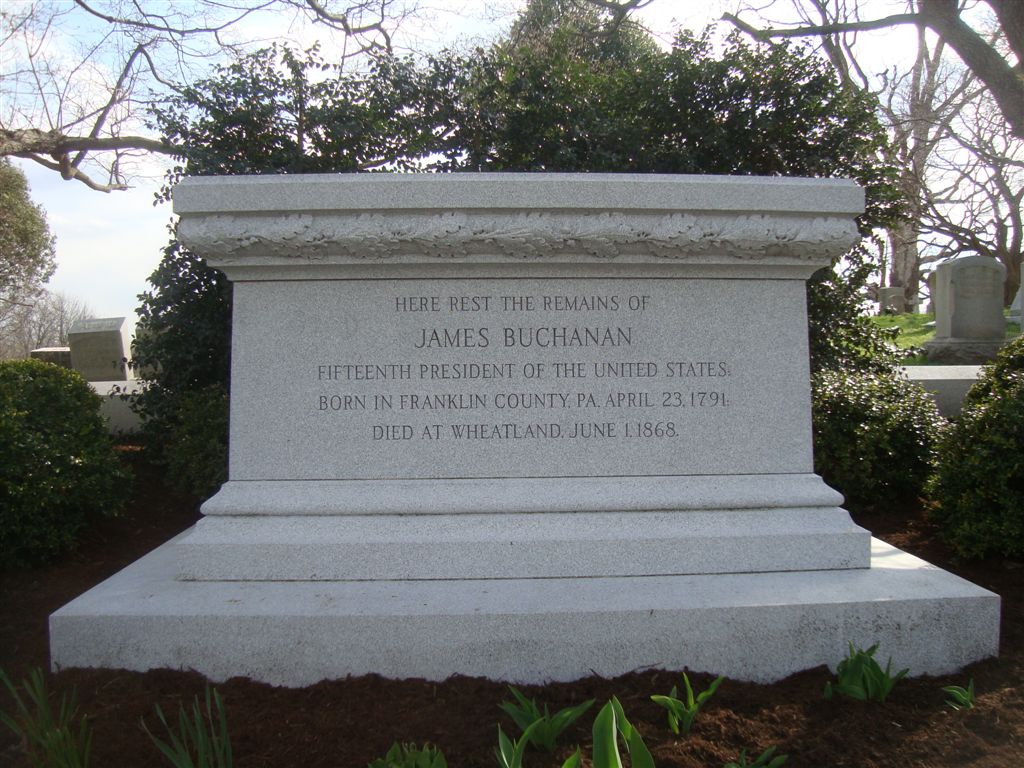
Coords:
347,723
916,329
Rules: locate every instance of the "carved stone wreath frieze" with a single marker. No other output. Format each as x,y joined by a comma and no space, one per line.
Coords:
345,237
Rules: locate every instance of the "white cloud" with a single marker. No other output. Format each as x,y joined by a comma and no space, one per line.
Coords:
107,244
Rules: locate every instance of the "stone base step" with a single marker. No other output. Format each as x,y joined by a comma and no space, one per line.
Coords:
515,546
758,627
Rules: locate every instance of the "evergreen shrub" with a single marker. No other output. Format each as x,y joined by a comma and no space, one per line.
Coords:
997,376
57,464
875,436
979,481
183,350
196,450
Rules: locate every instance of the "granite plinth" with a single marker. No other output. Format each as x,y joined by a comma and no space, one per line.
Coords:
510,546
655,376
947,384
759,627
508,527
963,351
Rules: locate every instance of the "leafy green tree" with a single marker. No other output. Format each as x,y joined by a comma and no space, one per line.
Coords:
274,111
751,109
553,96
26,247
183,346
569,90
282,111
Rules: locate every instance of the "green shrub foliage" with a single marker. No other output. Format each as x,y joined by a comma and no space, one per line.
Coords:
57,466
875,435
183,349
979,481
197,455
998,376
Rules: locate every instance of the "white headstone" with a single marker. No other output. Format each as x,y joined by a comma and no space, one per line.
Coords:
1017,305
525,426
891,301
969,322
99,347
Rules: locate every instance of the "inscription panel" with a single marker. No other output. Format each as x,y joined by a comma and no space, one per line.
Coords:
474,378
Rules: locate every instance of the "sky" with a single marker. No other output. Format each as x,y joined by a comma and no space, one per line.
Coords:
109,243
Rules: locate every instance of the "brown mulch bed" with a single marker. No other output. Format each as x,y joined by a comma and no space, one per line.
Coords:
349,722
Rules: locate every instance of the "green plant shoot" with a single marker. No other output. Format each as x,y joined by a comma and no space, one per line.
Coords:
201,740
52,740
610,723
575,760
525,713
681,714
410,756
510,753
860,677
764,760
960,698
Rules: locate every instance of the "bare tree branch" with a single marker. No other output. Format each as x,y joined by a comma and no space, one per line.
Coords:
1006,84
812,30
343,20
165,27
31,140
958,161
68,173
116,96
942,17
76,103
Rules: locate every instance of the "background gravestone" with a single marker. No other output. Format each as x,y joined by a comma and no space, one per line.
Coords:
57,355
99,347
969,322
891,301
1017,305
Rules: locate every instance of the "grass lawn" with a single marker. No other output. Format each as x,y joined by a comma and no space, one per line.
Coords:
914,331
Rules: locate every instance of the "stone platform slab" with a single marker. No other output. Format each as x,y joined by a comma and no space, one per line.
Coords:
579,527
511,546
947,384
957,352
759,627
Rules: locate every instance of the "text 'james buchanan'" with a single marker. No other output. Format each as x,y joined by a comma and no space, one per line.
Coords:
599,336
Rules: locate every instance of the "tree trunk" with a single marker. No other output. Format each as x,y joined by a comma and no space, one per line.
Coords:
1012,284
905,264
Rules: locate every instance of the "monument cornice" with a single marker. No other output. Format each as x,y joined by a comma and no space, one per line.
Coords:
516,236
515,218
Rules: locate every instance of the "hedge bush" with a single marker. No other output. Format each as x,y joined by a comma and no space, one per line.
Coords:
979,481
875,436
196,449
996,376
57,465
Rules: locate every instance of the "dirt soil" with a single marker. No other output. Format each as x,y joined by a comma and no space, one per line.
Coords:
350,722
